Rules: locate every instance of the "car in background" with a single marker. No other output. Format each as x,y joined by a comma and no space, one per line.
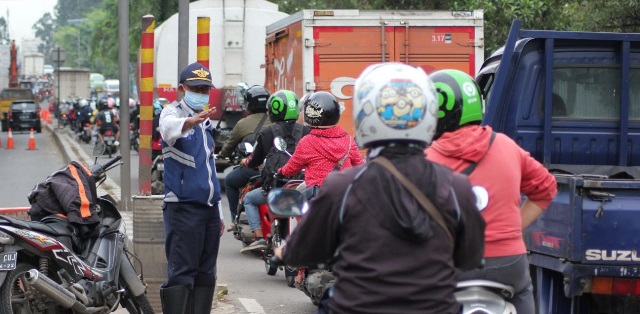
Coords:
24,114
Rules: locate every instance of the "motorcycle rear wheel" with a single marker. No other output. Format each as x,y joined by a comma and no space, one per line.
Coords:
15,299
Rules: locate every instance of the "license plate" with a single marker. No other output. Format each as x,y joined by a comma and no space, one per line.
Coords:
109,138
8,260
25,116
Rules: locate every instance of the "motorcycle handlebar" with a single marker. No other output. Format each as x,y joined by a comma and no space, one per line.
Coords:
111,162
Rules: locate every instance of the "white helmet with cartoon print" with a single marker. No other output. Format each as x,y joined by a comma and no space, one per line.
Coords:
394,102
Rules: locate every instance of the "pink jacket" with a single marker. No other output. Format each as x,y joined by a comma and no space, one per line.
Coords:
319,152
505,170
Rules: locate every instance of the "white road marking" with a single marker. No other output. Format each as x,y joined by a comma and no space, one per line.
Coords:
252,306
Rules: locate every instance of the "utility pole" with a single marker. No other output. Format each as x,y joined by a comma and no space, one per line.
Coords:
183,35
123,61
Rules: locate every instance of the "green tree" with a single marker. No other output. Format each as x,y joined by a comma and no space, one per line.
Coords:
66,10
4,31
535,14
45,30
606,15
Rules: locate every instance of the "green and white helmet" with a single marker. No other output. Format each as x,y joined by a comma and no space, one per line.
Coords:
394,102
282,106
459,100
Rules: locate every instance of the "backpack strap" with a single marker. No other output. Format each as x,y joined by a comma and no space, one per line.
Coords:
258,128
420,197
467,171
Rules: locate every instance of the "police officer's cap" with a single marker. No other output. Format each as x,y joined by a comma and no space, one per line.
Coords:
196,74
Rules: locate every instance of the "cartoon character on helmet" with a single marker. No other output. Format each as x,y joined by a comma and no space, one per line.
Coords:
321,110
459,100
256,98
282,106
394,102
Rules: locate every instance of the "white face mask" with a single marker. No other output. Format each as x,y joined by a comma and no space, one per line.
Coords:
195,100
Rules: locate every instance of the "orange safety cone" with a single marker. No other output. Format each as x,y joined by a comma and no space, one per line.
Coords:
32,141
10,141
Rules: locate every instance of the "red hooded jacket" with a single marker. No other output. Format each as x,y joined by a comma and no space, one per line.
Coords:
505,170
319,152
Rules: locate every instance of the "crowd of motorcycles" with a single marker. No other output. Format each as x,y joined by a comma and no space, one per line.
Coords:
276,223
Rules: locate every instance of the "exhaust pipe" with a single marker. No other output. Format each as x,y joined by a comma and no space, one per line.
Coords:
56,292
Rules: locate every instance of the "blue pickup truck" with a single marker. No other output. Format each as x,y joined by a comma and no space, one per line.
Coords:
572,99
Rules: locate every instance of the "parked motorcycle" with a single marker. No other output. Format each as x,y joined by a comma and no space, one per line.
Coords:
46,267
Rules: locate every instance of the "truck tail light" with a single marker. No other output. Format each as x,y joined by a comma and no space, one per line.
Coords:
38,113
615,286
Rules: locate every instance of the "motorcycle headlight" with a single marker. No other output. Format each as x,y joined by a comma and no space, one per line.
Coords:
6,238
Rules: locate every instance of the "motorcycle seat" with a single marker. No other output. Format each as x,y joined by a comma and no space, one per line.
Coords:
37,226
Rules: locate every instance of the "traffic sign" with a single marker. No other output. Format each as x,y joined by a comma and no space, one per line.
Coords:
58,55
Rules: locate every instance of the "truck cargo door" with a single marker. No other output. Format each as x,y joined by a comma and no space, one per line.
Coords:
435,48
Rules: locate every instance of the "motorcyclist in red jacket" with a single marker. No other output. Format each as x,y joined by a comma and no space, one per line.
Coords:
328,147
503,169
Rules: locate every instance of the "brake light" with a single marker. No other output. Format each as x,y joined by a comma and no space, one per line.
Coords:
130,127
38,113
109,132
87,124
10,114
615,286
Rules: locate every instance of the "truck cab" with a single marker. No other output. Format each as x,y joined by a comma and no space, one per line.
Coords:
572,99
7,96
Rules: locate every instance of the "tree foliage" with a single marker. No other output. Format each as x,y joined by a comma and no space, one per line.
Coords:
44,30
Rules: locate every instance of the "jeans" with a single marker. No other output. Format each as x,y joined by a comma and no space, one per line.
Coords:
233,183
509,270
251,202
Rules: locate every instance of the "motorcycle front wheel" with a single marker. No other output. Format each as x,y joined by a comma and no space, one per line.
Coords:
16,297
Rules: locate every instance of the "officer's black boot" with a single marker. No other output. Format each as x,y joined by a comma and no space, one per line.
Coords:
202,299
174,299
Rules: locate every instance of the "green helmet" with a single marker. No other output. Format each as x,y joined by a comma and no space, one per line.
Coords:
282,106
459,100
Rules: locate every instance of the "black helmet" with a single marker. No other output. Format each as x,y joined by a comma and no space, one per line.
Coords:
459,100
283,106
321,109
103,103
256,99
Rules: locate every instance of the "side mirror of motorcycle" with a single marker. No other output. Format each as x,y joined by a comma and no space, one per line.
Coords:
287,202
280,144
482,197
98,150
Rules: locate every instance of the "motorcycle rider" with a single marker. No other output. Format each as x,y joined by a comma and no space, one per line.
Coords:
106,119
84,114
495,162
255,98
329,147
368,220
282,108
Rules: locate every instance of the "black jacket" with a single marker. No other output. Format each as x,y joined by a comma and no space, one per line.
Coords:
390,256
